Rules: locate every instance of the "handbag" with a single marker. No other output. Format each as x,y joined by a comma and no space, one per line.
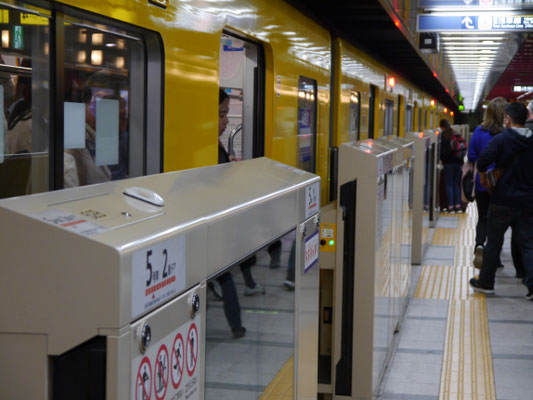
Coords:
492,178
467,182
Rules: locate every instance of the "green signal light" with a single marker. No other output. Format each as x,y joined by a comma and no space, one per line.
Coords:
331,242
461,107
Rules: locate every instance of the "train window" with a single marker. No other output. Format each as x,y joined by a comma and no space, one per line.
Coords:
24,100
388,128
355,115
419,112
106,132
307,105
256,301
431,119
104,111
371,111
426,112
409,118
242,77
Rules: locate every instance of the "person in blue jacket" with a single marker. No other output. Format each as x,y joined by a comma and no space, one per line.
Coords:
512,198
492,125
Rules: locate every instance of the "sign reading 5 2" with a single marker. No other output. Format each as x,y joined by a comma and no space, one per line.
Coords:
158,273
153,274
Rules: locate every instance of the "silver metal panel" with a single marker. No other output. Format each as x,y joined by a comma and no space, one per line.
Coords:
221,213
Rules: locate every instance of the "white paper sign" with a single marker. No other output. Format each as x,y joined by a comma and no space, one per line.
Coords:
158,273
74,125
312,199
311,251
106,132
169,369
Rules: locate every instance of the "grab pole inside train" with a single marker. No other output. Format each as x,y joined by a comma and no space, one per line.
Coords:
114,297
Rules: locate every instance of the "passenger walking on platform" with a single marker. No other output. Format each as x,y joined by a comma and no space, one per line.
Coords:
492,125
452,159
512,198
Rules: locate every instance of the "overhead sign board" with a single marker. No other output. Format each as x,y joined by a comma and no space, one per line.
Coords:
476,22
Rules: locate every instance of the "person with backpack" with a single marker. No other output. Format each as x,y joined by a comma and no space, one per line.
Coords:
452,153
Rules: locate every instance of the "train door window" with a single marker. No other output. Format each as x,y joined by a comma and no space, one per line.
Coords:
409,118
24,100
431,119
419,112
426,119
104,101
242,77
307,105
355,115
389,118
371,111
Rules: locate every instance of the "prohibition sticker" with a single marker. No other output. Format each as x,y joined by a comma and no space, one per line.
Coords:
143,385
312,199
177,361
191,354
161,373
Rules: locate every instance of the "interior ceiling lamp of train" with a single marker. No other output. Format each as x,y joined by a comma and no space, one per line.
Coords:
477,37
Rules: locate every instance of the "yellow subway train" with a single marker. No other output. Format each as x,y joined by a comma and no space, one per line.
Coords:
113,89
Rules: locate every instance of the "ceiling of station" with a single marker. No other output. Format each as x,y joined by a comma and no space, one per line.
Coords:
478,59
368,26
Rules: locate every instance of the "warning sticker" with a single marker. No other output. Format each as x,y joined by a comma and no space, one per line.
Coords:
143,384
68,221
158,273
177,361
161,373
169,368
312,199
311,251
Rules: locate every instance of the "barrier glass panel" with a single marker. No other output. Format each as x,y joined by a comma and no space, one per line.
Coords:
250,324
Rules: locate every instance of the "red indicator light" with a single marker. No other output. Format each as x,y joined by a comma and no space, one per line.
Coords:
435,74
447,91
421,135
397,23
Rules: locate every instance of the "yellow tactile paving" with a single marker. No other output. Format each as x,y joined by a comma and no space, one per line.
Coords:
467,364
281,387
444,237
434,282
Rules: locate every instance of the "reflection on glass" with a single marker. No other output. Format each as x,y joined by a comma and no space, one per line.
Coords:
355,112
389,118
24,78
307,103
250,323
99,70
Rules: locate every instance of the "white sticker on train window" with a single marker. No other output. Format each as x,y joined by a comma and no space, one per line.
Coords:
74,125
158,274
312,199
106,146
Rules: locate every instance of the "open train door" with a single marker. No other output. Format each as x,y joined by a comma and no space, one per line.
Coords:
242,76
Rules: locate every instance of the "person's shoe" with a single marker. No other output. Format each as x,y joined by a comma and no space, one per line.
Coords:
478,257
257,289
529,294
476,285
444,210
451,211
459,210
288,284
238,332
